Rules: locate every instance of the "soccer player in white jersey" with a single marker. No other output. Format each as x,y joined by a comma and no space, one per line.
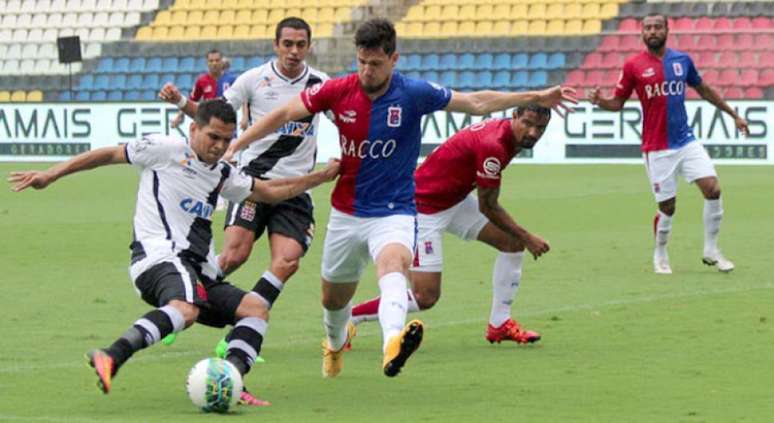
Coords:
378,114
173,265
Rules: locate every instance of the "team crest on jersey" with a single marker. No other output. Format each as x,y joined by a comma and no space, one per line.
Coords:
678,68
656,188
187,160
347,117
314,89
271,96
492,168
248,211
648,73
265,82
428,247
394,116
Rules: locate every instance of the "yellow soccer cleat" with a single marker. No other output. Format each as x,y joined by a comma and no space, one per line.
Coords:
333,361
400,347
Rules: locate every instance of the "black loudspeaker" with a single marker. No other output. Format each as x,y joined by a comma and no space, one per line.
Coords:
69,49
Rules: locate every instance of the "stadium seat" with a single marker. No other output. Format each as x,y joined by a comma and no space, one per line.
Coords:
137,65
120,65
484,61
466,61
748,77
502,80
115,95
448,78
520,79
430,62
448,61
520,61
538,61
101,82
151,82
431,76
753,93
502,61
5,96
556,61
18,96
733,93
538,79
35,95
86,82
82,96
466,80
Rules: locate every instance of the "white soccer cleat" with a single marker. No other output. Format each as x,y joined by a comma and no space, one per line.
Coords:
661,264
716,259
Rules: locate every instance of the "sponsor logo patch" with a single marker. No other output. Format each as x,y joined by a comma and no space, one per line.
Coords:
348,116
394,116
648,73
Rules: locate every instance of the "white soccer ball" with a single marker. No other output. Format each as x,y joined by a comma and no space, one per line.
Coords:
214,385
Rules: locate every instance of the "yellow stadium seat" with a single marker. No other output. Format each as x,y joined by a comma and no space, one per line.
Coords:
537,11
468,12
276,4
572,10
484,12
554,11
180,32
343,14
211,17
242,32
144,33
309,14
573,27
450,12
259,17
18,96
555,27
225,32
592,26
5,96
163,18
415,13
537,27
179,17
501,12
448,28
431,29
432,13
35,95
209,32
196,17
501,28
258,31
467,28
608,10
590,11
227,16
413,30
199,5
160,32
275,15
326,15
324,30
181,5
484,28
246,5
519,27
229,4
518,11
294,4
243,17
400,28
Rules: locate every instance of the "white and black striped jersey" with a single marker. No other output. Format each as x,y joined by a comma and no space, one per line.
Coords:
292,149
176,196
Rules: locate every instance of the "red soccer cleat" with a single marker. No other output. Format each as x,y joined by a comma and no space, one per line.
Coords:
246,398
104,366
511,331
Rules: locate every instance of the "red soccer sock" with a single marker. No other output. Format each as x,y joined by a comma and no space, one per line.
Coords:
368,308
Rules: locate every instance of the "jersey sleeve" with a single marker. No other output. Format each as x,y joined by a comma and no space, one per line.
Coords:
320,97
692,77
238,93
430,96
489,165
196,91
149,152
626,82
237,186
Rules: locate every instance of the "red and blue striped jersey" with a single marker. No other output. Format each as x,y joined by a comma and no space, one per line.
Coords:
660,86
380,140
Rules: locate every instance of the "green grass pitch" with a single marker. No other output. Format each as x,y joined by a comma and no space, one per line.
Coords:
620,344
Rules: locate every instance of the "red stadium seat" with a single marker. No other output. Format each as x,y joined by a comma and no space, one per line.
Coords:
725,42
753,93
629,25
748,77
685,42
575,78
611,77
704,60
762,22
742,23
609,43
728,77
766,78
631,43
745,42
592,61
733,93
685,24
727,59
721,23
705,42
766,59
691,94
747,59
711,77
594,77
764,41
612,60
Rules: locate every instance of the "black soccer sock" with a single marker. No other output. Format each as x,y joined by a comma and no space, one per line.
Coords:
268,287
145,332
244,342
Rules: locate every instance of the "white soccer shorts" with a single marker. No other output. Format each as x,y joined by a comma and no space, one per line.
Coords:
663,168
351,241
463,220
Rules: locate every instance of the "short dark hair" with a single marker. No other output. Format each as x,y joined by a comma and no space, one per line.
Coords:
532,107
295,23
376,33
215,108
660,15
214,51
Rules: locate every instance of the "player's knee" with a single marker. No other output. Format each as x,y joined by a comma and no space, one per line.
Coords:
668,207
512,245
713,193
284,267
427,298
232,258
190,312
252,306
332,302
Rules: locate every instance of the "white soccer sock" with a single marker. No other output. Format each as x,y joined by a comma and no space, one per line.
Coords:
713,215
393,304
506,278
663,228
335,322
413,306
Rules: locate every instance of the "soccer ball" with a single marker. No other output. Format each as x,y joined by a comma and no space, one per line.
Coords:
214,385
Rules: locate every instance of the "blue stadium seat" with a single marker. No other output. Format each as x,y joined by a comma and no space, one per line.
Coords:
82,96
448,79
520,79
86,82
414,74
466,61
556,61
538,61
519,61
413,62
184,82
137,65
134,82
101,82
132,95
484,61
502,61
448,61
237,64
170,64
149,95
200,65
64,96
538,79
502,79
153,65
98,95
431,76
118,81
105,65
252,62
466,80
483,80
120,65
430,62
115,95
151,82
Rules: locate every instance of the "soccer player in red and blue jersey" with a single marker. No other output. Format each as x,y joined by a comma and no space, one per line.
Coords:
660,76
378,113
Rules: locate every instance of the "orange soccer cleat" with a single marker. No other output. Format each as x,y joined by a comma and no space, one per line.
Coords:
511,331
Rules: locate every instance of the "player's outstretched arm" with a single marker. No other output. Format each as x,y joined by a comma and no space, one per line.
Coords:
485,102
490,207
292,110
612,104
89,160
276,190
172,95
710,94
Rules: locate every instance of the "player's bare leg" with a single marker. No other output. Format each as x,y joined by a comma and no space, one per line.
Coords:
506,277
662,227
337,311
712,216
237,246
